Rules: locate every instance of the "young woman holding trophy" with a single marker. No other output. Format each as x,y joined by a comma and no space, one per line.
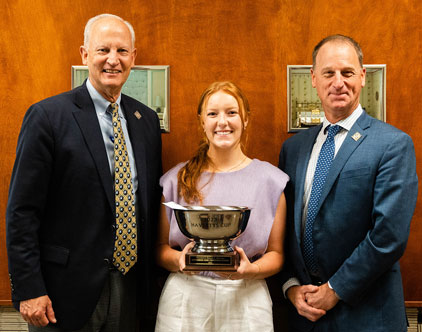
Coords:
221,174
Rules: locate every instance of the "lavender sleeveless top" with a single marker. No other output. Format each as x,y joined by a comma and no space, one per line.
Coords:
257,186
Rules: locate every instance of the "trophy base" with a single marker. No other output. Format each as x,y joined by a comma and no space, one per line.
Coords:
227,262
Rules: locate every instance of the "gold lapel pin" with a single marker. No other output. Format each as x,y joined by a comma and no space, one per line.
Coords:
356,136
138,115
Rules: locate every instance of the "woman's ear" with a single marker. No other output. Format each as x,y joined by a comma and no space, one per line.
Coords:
201,121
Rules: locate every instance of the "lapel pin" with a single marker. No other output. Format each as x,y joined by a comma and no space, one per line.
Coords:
356,136
138,115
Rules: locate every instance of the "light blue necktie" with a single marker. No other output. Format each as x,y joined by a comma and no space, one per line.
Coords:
325,159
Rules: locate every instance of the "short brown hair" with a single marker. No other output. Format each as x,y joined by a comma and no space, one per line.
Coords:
340,38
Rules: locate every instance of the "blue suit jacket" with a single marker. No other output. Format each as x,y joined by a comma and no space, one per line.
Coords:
60,213
361,228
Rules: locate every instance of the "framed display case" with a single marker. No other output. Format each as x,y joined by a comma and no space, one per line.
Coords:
148,84
304,107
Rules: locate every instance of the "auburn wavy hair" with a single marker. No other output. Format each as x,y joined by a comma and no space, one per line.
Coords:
188,176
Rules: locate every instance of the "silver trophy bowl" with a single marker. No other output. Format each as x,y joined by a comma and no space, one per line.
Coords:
212,227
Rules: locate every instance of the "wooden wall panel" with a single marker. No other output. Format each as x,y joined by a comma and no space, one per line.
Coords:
250,42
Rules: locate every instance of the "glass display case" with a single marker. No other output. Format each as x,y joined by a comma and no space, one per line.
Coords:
303,104
147,84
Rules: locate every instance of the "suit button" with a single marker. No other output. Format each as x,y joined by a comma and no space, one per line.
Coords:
107,261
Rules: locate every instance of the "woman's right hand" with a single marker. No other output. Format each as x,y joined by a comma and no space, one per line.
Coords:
182,257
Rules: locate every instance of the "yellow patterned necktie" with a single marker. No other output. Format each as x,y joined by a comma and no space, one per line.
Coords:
125,247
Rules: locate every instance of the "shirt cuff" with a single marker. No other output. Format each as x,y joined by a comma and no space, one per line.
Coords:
331,287
290,283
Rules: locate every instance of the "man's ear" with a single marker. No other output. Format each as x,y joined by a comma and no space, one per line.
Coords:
313,78
134,53
363,77
84,55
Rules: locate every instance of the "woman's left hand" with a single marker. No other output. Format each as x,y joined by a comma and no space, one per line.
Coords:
245,270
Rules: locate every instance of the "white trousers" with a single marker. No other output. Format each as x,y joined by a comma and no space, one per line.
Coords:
196,303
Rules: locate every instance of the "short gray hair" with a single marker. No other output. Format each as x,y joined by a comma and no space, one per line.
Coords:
92,20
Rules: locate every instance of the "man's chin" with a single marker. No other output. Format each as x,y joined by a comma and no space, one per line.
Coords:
112,83
339,105
110,91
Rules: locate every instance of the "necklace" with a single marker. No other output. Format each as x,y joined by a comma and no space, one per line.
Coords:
232,168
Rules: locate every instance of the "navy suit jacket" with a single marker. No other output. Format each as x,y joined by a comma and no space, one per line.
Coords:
60,212
361,228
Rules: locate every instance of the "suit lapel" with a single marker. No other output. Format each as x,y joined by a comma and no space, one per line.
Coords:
137,131
349,145
304,154
87,120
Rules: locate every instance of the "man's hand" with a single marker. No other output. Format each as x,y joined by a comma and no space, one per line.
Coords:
297,295
324,298
38,312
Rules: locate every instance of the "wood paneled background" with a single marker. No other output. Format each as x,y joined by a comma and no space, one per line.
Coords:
250,42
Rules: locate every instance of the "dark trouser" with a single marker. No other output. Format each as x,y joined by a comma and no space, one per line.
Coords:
115,310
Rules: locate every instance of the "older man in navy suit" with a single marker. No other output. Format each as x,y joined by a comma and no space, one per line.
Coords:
351,197
84,197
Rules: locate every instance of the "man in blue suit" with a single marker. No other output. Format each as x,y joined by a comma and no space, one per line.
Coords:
76,260
351,197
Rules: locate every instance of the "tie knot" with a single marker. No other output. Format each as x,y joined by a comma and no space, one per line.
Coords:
333,130
112,109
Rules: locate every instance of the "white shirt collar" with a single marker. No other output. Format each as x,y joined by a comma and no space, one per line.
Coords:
345,123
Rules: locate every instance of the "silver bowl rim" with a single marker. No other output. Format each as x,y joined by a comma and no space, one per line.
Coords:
214,208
